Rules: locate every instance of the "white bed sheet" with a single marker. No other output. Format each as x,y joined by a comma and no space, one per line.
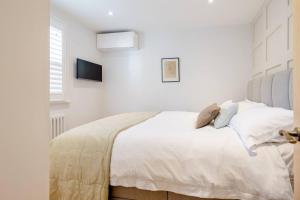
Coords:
166,153
286,151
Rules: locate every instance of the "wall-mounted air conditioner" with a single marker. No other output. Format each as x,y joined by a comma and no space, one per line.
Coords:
117,41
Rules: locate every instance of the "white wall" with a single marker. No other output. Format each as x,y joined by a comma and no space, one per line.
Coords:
24,101
85,97
273,38
215,66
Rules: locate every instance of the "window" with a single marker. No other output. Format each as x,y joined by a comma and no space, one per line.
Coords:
56,63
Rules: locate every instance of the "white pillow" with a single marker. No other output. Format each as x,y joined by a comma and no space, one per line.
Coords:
261,124
228,110
247,104
226,103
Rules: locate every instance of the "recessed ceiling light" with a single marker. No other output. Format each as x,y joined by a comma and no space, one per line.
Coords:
210,1
110,13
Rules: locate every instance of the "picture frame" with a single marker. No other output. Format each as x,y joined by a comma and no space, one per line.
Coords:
170,70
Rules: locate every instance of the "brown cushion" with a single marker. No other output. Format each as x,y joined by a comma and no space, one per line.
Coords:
207,115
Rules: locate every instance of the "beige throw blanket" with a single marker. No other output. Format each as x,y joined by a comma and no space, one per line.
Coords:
80,158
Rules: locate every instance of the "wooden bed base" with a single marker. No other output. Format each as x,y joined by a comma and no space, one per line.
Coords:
123,193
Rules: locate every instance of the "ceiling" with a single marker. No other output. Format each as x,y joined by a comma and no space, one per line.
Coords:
159,14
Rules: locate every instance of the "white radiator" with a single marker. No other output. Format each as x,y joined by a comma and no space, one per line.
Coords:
57,125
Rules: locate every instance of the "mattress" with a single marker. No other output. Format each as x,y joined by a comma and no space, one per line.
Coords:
166,153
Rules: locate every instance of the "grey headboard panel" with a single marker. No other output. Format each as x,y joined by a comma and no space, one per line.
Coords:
273,90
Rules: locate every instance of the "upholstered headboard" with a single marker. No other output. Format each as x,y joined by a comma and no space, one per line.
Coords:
273,90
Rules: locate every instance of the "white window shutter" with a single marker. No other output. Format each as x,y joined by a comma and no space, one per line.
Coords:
56,62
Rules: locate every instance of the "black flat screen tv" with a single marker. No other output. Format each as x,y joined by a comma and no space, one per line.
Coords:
88,70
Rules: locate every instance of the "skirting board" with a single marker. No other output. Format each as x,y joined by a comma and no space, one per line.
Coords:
123,193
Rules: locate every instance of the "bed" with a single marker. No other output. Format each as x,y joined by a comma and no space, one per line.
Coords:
173,156
162,156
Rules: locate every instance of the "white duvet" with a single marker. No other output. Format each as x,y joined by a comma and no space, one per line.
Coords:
167,153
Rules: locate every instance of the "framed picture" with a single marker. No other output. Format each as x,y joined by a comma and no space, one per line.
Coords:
170,70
